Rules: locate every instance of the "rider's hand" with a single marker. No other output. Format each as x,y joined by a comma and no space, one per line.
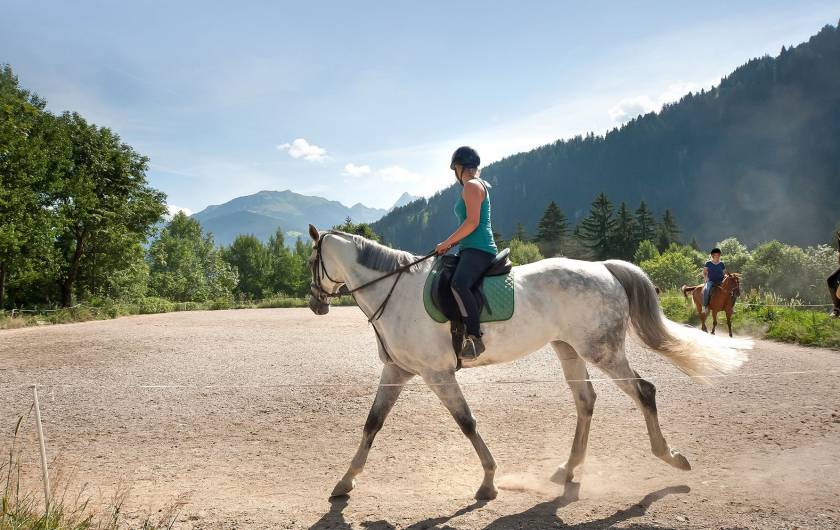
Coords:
442,248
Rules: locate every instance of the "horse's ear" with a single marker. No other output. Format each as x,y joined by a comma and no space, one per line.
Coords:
313,233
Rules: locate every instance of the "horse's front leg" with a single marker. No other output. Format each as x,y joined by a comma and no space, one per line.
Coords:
447,389
390,385
729,321
714,321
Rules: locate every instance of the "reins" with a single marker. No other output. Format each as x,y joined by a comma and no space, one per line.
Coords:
321,268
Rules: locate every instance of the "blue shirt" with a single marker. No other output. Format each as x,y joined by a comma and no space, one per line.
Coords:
715,271
482,237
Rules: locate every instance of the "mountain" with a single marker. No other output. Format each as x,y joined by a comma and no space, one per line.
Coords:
262,213
757,157
404,199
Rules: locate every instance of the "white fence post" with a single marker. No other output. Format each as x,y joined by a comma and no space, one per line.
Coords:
46,475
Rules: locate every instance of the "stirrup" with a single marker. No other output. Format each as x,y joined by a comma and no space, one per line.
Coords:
471,348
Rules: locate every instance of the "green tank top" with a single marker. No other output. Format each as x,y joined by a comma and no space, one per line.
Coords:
482,237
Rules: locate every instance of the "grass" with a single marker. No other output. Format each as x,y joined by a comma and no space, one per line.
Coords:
106,309
758,314
23,509
765,316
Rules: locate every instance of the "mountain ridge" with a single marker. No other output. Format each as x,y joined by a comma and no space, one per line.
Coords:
752,157
262,213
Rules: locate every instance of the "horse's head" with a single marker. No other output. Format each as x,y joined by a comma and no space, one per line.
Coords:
322,288
732,283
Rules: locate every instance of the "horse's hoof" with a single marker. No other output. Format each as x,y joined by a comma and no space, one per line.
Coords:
343,488
679,461
486,493
561,476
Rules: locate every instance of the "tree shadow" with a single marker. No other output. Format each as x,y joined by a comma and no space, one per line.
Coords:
542,515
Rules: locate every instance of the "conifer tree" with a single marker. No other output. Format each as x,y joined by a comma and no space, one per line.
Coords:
645,223
552,226
551,230
667,232
624,239
598,228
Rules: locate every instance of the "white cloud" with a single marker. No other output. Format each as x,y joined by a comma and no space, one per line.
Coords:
172,210
397,174
300,148
356,171
629,108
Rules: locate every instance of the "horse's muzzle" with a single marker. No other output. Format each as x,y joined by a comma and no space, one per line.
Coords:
317,306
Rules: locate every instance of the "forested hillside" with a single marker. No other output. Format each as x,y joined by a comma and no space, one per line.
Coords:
756,157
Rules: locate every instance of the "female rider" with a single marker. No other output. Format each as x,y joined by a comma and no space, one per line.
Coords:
713,272
834,284
477,247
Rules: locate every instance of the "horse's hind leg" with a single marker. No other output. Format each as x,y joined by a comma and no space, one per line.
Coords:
447,389
714,321
644,394
574,368
390,385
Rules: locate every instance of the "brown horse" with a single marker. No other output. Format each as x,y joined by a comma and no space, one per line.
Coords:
722,299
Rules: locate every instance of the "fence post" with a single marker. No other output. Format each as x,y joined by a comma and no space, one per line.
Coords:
45,473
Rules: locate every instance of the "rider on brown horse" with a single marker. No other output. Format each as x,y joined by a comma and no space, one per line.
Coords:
834,284
719,292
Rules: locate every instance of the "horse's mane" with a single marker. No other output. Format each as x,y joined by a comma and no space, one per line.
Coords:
378,257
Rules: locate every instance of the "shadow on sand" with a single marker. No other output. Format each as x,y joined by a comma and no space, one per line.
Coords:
542,515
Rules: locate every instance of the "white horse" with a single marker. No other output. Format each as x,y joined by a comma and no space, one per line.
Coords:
582,308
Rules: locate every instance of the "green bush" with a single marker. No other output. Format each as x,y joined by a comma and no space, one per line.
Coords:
522,252
188,306
151,305
646,251
734,254
282,301
677,308
221,303
671,270
791,272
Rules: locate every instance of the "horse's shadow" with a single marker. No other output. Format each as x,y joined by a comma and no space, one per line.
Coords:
542,515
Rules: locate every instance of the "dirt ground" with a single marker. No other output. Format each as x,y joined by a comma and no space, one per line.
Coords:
231,429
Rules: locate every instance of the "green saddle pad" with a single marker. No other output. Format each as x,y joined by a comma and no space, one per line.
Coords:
497,289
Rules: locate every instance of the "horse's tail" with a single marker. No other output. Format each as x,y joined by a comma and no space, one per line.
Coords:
696,353
687,289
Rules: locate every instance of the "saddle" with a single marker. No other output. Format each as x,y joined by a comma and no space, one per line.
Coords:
494,293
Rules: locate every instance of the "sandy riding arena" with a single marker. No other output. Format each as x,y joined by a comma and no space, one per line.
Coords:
252,416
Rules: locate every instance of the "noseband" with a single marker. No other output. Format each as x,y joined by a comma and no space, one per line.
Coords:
319,271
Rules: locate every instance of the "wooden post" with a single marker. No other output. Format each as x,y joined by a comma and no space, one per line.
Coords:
45,473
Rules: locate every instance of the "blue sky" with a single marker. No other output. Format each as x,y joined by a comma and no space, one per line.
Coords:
360,101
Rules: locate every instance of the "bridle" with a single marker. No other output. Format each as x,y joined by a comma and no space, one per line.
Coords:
319,272
730,291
